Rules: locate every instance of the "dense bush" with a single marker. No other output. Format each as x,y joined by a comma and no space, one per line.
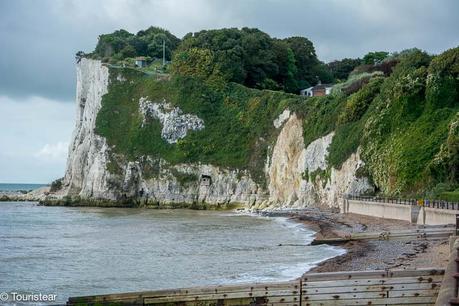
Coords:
358,103
404,134
251,57
341,69
197,63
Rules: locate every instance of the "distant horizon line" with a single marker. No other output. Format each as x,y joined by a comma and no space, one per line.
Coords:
3,183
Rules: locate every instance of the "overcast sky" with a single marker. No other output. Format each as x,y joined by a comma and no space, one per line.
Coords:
39,40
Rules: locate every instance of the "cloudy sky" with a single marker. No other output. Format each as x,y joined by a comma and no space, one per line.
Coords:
39,40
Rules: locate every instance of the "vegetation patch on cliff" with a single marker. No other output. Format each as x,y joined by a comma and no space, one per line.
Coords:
238,120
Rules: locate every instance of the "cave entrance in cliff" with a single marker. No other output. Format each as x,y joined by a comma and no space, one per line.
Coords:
206,180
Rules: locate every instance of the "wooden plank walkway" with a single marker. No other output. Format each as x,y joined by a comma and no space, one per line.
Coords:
392,287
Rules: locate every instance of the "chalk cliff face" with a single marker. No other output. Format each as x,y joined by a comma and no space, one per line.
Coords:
292,183
149,181
88,177
86,173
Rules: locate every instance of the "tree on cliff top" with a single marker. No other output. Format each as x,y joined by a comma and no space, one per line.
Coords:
122,44
254,59
376,57
245,56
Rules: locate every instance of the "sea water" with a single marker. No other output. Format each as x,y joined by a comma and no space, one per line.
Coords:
73,251
19,187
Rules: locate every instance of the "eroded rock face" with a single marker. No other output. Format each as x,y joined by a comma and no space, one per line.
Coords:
202,184
344,181
175,123
285,171
291,184
86,174
314,157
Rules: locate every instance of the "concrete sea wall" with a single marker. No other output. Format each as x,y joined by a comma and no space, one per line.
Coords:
411,213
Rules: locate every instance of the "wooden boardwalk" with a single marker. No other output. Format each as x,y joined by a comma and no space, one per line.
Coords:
391,287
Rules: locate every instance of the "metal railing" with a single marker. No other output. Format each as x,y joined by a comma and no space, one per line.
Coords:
441,204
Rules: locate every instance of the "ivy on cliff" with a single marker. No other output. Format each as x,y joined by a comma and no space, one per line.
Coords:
405,124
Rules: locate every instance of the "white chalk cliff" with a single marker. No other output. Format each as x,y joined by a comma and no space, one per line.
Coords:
288,168
87,175
291,184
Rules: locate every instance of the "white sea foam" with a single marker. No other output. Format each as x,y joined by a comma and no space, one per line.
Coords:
294,270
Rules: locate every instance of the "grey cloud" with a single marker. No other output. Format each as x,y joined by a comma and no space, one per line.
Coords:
40,38
34,137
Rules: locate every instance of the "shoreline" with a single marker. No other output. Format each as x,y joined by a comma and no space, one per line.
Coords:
369,254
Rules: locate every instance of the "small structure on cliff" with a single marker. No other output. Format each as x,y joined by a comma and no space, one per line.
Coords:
317,91
141,61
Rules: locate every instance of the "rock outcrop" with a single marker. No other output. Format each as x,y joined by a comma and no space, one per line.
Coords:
175,123
299,176
296,175
38,194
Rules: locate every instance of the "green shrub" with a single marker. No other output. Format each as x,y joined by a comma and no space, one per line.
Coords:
56,185
404,134
452,196
358,103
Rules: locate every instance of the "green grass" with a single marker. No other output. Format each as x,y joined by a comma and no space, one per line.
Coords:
345,142
319,116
